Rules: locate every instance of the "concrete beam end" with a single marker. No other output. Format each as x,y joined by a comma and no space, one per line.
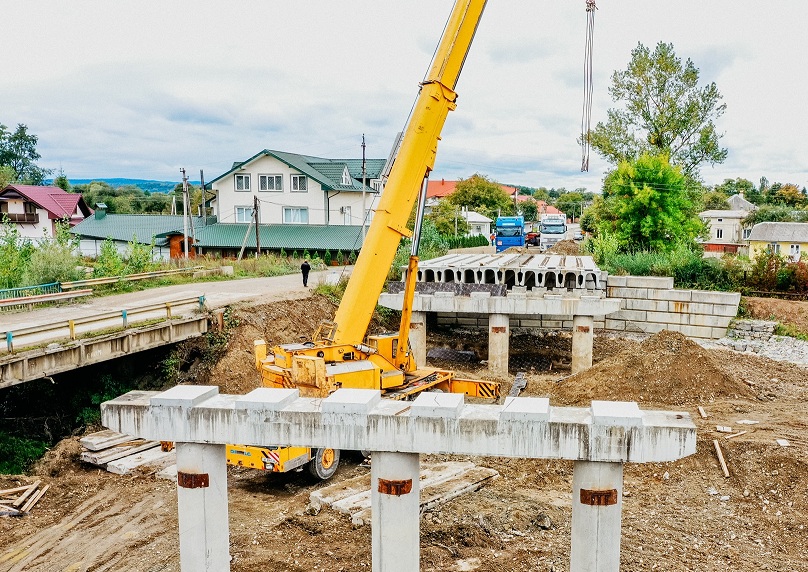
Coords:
625,413
267,399
433,405
348,400
184,396
526,409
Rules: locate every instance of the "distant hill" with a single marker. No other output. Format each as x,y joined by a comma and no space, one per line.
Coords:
143,184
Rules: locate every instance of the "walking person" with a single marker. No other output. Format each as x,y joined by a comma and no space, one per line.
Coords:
304,268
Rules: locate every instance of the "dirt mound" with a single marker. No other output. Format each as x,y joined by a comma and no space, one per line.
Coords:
59,460
666,369
565,247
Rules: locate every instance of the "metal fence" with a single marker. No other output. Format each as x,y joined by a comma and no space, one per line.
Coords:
38,290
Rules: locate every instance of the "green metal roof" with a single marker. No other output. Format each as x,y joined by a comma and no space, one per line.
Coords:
276,236
124,227
327,172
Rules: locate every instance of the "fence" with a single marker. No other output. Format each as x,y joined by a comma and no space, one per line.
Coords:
127,278
52,288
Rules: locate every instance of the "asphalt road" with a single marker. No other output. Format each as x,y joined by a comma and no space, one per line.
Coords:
217,294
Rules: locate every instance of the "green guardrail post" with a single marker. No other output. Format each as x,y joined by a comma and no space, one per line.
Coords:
202,303
10,341
125,319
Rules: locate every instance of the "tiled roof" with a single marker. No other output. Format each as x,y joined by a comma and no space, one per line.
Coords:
287,236
780,232
58,202
442,188
327,172
723,214
738,202
125,227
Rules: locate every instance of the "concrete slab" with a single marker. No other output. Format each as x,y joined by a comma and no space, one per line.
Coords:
440,483
101,440
155,457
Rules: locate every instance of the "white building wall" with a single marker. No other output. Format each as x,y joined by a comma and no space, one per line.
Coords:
44,228
91,247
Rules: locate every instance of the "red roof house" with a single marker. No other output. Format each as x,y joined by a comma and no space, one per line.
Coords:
36,209
437,190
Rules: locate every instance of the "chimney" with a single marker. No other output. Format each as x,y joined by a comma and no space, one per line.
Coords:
100,211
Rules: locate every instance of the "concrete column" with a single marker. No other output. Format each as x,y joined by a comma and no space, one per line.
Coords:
498,344
418,337
597,503
395,494
202,502
582,338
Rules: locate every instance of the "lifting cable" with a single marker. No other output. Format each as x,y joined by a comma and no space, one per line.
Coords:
586,119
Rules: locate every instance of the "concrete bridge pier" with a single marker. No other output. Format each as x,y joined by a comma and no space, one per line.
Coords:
202,507
418,337
597,504
395,493
498,344
583,333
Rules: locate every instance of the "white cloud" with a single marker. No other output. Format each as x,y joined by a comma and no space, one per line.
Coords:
142,89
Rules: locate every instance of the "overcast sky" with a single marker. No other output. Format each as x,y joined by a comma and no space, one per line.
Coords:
141,89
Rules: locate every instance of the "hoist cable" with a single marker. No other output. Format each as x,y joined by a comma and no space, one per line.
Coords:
586,118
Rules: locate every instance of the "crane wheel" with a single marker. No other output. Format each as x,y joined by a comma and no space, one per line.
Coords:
324,463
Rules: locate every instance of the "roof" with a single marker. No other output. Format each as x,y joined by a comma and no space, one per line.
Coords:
472,217
724,214
780,232
290,237
125,227
442,188
58,202
327,172
737,202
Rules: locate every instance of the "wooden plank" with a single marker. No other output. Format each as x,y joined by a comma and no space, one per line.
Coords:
702,412
738,434
126,464
25,495
104,439
35,499
117,452
7,492
721,458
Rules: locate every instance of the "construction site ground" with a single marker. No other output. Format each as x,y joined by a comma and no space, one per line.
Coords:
678,516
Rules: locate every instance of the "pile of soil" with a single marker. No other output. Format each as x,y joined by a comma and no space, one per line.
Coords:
565,247
666,369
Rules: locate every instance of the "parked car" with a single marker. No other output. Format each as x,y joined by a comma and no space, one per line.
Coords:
578,235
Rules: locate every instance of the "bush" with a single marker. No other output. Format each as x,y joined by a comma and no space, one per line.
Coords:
15,254
109,261
18,453
765,269
327,258
138,257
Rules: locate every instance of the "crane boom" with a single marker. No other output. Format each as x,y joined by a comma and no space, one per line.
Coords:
414,161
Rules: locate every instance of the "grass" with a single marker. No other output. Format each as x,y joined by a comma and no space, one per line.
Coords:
791,331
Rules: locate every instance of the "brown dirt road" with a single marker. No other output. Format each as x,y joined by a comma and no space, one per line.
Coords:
681,516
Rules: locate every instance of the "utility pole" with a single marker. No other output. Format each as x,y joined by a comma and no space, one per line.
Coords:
256,215
364,186
204,213
184,213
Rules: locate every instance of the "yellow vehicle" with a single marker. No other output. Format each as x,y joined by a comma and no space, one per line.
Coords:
340,355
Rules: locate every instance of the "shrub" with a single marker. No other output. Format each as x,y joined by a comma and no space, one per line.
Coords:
15,253
138,257
109,261
327,258
18,453
54,260
340,258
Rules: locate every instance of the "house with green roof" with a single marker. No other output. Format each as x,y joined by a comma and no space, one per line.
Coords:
297,189
140,228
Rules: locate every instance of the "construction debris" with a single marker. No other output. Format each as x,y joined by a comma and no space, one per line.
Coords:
721,458
20,500
121,454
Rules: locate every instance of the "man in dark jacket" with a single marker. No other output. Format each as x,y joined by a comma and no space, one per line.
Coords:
304,268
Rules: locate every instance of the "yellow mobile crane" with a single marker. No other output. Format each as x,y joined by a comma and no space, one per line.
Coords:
340,355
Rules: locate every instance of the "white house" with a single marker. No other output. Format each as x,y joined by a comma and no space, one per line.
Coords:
35,210
478,224
297,189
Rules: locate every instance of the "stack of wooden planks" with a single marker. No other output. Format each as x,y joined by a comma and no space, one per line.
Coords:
121,454
20,500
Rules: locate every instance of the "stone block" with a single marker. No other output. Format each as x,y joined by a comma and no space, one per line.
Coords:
690,308
616,281
668,318
697,332
720,333
624,413
725,310
632,315
525,409
227,270
184,396
712,321
727,298
653,305
657,282
617,292
347,400
553,324
671,295
654,327
618,325
527,323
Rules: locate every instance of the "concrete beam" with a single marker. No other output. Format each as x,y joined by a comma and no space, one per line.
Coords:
583,334
361,420
498,344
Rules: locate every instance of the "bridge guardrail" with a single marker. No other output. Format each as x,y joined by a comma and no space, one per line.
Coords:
128,277
43,298
96,322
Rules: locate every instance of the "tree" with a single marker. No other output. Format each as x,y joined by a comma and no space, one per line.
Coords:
15,254
18,151
715,200
790,194
55,259
740,186
7,176
652,206
529,209
480,194
773,213
665,112
571,204
448,219
61,181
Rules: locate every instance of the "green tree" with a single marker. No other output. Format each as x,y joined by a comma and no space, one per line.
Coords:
61,181
7,176
109,261
735,186
715,200
138,256
18,151
15,254
55,259
651,206
665,112
529,209
789,194
480,194
448,219
772,213
570,204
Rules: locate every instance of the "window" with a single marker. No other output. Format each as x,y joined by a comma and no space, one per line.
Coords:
719,233
295,215
346,177
720,220
270,182
794,250
346,215
244,214
29,208
377,186
773,247
299,183
242,182
3,207
746,233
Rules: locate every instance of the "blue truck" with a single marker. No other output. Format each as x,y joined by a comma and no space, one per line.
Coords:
510,232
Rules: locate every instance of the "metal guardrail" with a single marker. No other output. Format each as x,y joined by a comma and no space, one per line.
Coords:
25,291
103,321
128,277
43,298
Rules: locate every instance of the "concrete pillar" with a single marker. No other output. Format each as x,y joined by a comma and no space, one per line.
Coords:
498,344
395,494
597,504
202,503
582,338
418,337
